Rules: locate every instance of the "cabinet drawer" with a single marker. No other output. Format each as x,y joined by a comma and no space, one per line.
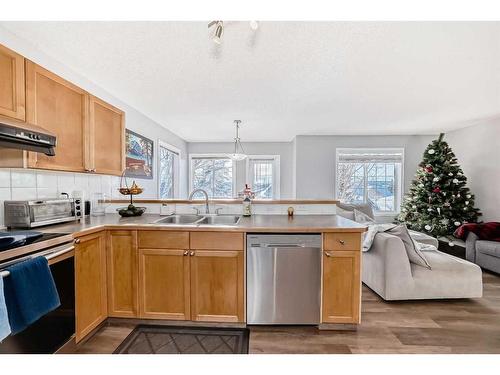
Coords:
157,239
216,241
342,241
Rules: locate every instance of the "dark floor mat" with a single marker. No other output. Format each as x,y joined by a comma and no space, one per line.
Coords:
146,339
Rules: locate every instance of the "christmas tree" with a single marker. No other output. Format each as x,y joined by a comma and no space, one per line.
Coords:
438,200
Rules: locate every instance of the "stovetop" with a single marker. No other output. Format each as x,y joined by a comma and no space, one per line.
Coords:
14,239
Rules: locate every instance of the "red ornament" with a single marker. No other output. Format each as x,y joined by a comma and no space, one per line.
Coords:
436,189
428,169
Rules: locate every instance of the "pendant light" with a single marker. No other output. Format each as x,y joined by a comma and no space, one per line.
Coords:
238,153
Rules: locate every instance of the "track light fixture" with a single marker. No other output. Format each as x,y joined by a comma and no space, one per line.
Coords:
219,29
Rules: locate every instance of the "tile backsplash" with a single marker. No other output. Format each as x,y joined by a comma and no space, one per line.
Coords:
22,184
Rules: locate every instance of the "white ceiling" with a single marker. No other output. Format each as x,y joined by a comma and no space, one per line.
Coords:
287,78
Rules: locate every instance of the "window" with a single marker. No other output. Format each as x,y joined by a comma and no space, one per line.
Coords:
213,173
263,176
370,176
168,173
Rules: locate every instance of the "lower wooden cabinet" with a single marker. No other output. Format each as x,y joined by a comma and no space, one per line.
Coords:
164,284
90,280
122,273
217,286
341,286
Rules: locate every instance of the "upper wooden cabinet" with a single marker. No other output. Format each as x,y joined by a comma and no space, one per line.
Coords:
122,273
107,138
90,132
90,283
12,90
62,108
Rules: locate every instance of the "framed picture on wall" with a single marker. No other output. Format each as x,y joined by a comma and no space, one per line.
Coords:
138,156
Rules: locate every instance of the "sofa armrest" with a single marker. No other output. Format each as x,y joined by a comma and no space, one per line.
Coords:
470,247
386,267
424,238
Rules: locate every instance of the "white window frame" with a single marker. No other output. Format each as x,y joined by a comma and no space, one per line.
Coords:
177,167
276,172
215,155
398,195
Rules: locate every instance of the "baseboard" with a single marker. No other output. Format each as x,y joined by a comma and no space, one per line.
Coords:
338,327
184,323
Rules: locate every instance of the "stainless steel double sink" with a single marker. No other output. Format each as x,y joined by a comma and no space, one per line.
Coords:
199,220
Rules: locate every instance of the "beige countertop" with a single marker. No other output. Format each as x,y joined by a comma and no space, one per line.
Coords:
255,223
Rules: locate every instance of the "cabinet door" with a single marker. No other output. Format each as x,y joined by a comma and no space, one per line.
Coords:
62,108
164,284
122,273
107,137
341,287
90,280
217,286
12,93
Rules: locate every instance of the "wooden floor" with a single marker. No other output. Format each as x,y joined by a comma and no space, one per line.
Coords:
446,326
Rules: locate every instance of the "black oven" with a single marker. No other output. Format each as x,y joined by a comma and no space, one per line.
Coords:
53,330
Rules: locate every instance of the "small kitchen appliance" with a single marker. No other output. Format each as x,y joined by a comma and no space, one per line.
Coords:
36,213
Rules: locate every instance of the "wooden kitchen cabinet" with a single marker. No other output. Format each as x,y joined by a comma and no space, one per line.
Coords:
217,286
12,89
90,283
63,109
341,286
164,291
107,138
122,274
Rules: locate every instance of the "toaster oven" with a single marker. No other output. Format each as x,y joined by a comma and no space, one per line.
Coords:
36,213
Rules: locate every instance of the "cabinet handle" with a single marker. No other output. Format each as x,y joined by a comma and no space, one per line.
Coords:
191,253
329,255
342,242
186,253
77,240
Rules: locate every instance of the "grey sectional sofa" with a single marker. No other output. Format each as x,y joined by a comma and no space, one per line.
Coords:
388,272
484,253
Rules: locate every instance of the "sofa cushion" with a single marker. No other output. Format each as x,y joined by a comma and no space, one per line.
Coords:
364,208
414,254
450,277
488,247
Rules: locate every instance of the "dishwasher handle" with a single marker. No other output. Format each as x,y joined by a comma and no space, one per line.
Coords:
280,245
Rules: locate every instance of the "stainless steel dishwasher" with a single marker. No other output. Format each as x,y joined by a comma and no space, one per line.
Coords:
283,278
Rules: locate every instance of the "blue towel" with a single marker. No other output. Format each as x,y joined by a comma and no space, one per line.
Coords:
30,293
4,318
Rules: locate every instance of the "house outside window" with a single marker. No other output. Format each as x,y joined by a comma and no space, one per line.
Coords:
371,176
213,173
168,171
263,176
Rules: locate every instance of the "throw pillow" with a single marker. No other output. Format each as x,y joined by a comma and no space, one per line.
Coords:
364,208
344,213
414,254
362,218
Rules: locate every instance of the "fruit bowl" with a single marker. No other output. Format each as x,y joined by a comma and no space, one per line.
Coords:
130,211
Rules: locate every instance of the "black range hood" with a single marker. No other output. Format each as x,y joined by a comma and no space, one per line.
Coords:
24,136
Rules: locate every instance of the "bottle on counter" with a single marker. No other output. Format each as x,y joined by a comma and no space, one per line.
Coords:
247,206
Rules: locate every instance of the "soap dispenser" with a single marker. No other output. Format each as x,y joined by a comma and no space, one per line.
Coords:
247,206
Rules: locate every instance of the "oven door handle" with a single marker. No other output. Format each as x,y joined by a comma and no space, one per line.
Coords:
50,256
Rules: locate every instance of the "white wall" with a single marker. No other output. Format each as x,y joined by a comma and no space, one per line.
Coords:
478,152
283,149
135,120
315,159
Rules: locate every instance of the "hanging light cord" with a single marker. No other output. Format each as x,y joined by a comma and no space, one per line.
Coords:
237,138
